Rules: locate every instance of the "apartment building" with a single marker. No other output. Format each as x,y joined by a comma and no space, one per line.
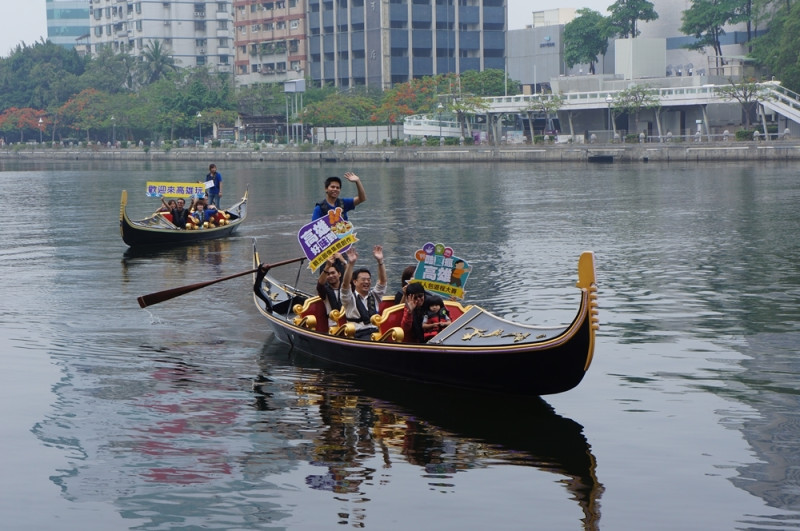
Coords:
195,33
270,40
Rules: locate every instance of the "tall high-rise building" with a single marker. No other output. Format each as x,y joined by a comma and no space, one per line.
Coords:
382,42
270,40
194,33
67,21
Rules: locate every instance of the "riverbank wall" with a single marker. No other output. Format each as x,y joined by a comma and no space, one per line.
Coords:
779,150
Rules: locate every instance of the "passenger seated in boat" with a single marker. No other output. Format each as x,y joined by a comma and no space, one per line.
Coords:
180,214
329,285
166,206
405,278
436,317
359,300
203,217
413,313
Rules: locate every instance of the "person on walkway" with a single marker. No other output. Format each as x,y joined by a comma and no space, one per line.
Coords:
333,187
215,192
359,299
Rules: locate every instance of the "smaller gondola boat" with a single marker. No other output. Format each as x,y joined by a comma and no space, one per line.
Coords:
477,351
158,229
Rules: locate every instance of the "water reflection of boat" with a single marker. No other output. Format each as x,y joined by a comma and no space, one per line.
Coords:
440,429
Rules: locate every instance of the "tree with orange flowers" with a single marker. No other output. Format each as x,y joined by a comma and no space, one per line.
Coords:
14,119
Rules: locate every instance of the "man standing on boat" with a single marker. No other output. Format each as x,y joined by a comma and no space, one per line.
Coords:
359,301
333,187
215,192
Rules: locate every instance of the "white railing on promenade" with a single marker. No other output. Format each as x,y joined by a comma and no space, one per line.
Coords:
669,96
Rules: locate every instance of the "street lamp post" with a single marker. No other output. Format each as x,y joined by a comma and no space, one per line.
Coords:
199,128
609,101
439,108
40,129
113,131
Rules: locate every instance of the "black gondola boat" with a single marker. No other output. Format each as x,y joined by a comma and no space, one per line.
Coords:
477,351
157,229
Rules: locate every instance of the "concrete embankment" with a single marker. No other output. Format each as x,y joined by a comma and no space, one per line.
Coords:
617,153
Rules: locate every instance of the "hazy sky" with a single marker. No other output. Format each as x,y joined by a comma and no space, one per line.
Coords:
26,21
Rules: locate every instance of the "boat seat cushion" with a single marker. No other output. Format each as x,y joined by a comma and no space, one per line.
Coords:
316,308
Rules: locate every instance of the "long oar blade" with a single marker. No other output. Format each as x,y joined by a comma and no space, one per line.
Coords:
161,296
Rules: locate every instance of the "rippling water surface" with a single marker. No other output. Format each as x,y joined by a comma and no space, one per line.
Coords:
188,415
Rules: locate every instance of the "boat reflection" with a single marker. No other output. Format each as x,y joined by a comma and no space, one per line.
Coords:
442,430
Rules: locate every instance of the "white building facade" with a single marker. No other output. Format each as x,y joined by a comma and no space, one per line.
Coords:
194,33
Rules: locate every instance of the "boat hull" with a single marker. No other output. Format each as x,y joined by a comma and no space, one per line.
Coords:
547,361
143,233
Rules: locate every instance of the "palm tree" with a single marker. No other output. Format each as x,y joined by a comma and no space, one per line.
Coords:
156,62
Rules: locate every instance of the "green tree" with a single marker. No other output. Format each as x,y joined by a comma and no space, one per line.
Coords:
547,104
86,110
632,100
585,38
464,106
157,62
111,72
748,93
490,82
705,20
39,76
777,49
329,112
19,119
625,14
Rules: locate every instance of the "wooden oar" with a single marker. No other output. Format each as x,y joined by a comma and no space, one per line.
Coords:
161,296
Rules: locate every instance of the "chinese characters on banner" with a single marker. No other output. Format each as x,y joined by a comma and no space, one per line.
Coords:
166,189
325,236
439,271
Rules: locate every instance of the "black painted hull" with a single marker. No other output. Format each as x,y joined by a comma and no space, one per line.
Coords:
548,361
144,232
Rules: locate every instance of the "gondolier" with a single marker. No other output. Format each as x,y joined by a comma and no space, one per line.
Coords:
333,187
215,191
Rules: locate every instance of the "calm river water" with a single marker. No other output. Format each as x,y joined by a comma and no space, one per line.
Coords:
115,417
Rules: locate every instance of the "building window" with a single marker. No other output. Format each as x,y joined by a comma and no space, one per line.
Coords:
222,24
222,7
294,24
